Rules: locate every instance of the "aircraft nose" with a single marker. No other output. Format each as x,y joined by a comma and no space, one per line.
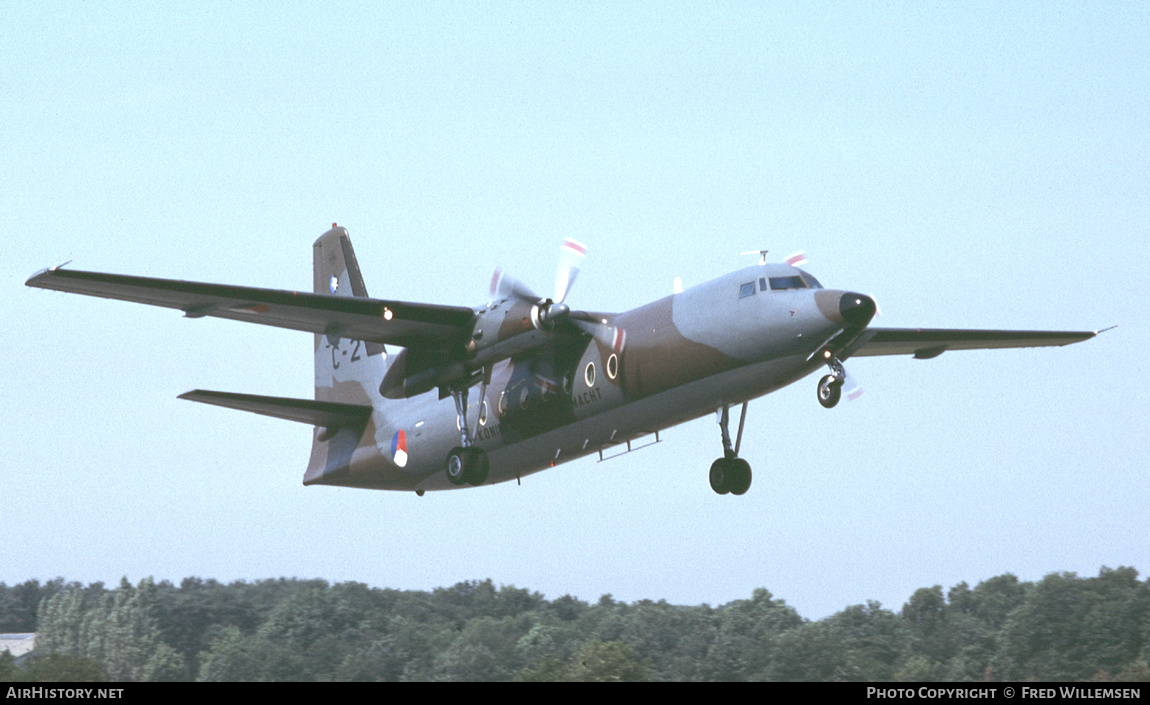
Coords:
857,309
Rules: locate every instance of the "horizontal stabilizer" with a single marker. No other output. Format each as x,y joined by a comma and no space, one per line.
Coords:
317,413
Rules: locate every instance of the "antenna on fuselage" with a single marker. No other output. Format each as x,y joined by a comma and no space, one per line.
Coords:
761,253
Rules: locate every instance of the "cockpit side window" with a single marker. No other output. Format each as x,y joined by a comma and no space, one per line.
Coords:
746,290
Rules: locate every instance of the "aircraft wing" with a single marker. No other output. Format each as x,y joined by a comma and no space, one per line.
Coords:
925,343
354,318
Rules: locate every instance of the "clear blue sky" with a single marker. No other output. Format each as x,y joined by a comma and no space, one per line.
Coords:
969,165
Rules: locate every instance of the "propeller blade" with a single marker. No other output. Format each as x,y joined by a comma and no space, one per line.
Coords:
570,256
796,259
503,284
549,313
605,334
851,388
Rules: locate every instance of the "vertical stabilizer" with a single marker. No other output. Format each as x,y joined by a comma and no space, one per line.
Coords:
335,268
346,371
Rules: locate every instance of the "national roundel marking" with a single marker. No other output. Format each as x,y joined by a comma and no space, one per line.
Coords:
399,448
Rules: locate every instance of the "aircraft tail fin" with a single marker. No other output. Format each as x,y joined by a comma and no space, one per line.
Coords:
336,270
347,372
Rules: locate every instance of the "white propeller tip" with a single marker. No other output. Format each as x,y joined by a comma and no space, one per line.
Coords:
796,259
574,247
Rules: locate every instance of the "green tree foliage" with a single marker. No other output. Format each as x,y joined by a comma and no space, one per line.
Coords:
861,643
56,668
746,636
594,662
8,670
116,629
18,604
1061,628
1072,629
607,662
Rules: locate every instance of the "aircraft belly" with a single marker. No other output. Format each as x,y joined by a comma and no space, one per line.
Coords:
512,460
645,416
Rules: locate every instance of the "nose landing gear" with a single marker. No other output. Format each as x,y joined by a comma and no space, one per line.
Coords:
830,391
831,386
730,473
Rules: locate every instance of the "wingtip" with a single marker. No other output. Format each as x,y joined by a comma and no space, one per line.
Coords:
42,272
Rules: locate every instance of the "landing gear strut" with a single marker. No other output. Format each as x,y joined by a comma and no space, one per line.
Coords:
831,386
731,473
467,464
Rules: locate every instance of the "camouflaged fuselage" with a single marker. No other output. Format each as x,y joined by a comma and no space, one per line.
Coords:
567,396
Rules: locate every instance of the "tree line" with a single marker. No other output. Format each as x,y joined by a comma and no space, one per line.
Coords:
1061,628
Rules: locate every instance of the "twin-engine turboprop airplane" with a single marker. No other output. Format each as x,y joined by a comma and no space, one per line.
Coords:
554,384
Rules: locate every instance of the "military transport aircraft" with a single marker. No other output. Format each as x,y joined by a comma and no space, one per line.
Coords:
554,384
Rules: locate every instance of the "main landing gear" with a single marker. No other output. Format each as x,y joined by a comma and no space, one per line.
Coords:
467,464
731,473
831,386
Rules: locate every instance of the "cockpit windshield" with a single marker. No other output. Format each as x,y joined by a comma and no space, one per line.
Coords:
800,281
811,281
778,283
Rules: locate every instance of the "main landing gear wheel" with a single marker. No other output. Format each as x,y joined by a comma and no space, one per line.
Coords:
730,475
830,390
467,466
478,471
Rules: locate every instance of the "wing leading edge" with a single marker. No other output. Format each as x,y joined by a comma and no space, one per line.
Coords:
355,318
925,343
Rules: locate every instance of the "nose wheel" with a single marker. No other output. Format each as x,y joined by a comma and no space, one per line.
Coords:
830,391
730,473
831,386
